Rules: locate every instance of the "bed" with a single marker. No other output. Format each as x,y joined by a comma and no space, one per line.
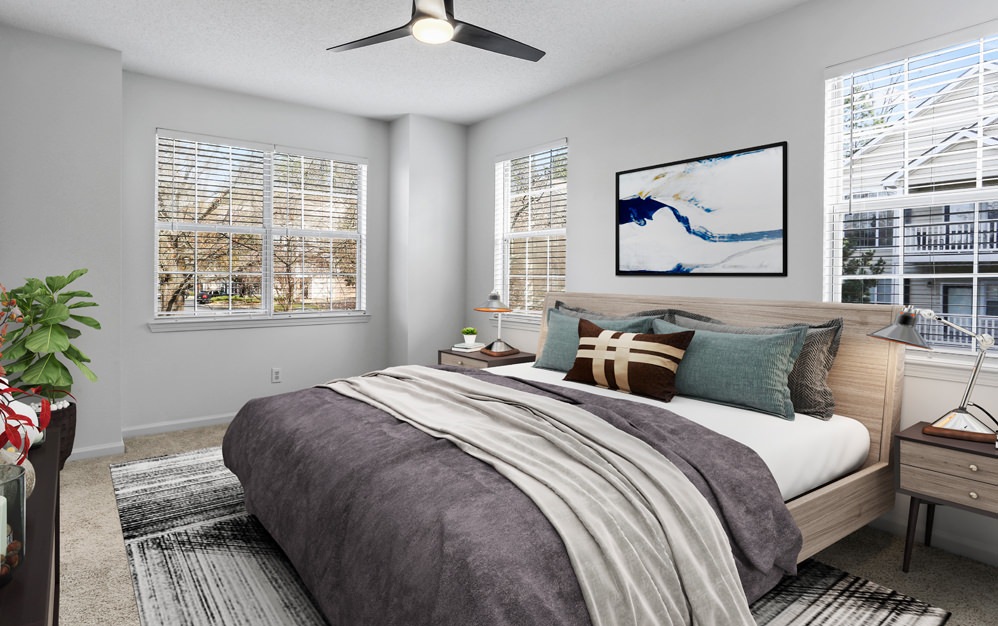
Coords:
349,510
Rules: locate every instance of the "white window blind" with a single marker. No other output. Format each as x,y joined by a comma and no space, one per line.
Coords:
531,204
911,184
256,231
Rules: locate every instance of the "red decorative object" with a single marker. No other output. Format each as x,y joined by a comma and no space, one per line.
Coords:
15,425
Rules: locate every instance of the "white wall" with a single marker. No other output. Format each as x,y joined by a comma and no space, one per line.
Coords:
60,198
759,84
427,253
175,379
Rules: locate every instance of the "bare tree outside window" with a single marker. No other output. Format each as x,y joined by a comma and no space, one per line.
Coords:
235,223
531,208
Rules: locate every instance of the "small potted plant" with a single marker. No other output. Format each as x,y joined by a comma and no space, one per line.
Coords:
34,349
470,334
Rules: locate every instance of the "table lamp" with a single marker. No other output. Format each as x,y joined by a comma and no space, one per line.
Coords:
958,423
495,305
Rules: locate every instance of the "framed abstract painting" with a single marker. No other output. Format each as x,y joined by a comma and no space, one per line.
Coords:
718,215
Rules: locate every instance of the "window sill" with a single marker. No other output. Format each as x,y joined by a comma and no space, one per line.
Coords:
183,324
948,366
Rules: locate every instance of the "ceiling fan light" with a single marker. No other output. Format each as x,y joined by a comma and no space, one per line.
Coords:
432,30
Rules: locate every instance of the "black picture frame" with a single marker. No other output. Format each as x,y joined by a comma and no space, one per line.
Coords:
723,214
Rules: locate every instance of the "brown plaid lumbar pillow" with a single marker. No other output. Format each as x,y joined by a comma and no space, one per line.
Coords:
631,362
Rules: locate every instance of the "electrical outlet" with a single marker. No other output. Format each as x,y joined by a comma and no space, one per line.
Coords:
275,374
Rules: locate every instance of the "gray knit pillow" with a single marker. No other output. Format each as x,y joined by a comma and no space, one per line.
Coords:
808,380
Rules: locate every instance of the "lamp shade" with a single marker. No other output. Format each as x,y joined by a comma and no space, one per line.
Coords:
494,304
902,331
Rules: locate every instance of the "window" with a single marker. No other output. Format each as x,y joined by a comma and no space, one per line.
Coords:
531,209
256,231
912,187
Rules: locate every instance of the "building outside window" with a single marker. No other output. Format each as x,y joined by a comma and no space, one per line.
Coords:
531,205
912,187
252,230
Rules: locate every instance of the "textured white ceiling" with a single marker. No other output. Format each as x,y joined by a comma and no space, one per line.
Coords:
277,48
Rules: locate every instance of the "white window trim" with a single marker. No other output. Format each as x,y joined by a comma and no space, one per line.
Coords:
176,324
527,320
268,318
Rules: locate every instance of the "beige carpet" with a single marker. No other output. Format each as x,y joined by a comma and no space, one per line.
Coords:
96,586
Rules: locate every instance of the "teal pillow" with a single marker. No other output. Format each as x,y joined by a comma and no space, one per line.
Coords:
808,380
562,341
748,371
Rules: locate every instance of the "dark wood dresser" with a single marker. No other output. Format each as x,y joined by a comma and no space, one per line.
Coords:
32,597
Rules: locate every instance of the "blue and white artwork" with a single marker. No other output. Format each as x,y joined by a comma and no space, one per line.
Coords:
720,214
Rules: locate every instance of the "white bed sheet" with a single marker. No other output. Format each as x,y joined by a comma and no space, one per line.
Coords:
802,454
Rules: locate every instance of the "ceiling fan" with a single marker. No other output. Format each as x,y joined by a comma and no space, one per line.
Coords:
433,22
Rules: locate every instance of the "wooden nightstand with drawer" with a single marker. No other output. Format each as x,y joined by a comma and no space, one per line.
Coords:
939,470
481,361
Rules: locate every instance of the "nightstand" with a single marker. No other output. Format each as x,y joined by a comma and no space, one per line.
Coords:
481,361
937,470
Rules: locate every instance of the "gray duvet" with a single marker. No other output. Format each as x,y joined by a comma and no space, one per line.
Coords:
388,525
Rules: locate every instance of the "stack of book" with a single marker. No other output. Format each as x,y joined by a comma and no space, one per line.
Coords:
467,347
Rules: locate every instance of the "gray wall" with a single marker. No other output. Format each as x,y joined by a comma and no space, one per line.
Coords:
186,378
427,252
60,198
759,84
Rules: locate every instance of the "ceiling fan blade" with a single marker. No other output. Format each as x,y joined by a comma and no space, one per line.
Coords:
388,35
478,37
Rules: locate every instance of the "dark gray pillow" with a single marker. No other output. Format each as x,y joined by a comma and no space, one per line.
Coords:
748,371
808,380
562,340
578,311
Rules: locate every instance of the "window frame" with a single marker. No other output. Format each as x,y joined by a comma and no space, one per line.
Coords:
504,235
265,315
916,198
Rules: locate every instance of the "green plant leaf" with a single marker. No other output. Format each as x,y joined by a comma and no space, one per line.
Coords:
80,305
14,351
73,354
87,372
71,332
86,321
47,339
75,274
18,366
33,285
54,314
66,296
55,283
48,371
78,358
12,336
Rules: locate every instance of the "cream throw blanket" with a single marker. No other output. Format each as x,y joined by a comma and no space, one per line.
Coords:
645,545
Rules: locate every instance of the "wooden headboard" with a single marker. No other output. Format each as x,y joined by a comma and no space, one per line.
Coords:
865,378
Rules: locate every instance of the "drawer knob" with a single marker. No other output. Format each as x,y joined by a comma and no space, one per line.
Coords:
973,495
460,362
973,467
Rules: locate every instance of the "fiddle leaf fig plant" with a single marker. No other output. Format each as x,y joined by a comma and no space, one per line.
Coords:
35,349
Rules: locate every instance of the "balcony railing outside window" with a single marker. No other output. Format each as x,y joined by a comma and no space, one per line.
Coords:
944,336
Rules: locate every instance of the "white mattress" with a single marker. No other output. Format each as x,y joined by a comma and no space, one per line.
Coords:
802,454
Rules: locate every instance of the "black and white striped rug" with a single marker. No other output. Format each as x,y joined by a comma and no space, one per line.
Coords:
198,559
